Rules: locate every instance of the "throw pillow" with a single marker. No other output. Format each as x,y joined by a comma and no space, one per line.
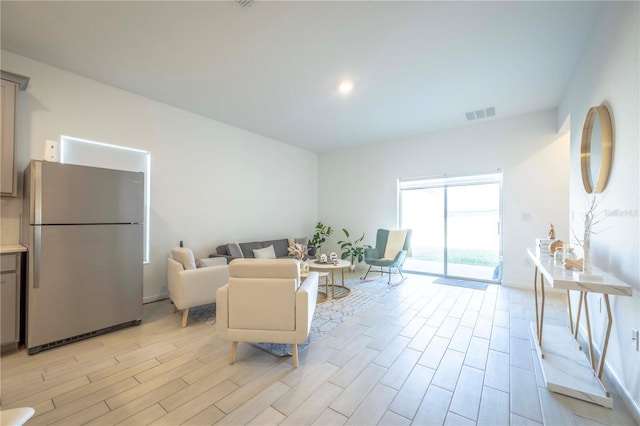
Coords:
184,256
211,261
234,250
265,253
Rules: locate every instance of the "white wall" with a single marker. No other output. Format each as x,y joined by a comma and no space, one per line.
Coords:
210,183
357,187
608,73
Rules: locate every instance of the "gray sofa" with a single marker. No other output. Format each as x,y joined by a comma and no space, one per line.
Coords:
280,247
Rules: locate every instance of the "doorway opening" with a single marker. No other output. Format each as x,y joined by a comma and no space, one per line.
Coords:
456,223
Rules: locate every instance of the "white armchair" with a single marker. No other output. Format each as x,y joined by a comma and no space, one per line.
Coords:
265,302
190,285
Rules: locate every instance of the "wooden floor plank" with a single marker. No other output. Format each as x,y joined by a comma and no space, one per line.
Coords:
448,371
524,394
305,388
411,393
497,372
466,397
312,408
400,369
151,397
357,391
373,407
434,407
494,407
255,405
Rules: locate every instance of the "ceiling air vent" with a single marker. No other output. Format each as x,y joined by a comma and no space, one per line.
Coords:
481,113
245,3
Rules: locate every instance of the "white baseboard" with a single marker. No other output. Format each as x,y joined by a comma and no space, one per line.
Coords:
150,299
619,388
529,286
511,284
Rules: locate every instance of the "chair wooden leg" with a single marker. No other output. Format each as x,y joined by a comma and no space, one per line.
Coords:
234,349
185,315
174,308
294,352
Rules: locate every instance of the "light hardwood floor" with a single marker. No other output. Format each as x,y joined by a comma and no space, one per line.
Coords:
423,354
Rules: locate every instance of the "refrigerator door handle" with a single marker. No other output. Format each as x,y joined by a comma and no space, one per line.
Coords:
37,246
37,193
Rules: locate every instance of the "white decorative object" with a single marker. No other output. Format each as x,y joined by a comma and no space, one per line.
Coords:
304,266
590,220
323,258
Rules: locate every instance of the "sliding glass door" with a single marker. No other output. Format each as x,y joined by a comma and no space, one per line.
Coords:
456,225
423,212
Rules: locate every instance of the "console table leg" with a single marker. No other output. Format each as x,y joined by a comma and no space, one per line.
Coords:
535,294
577,327
570,313
606,337
586,314
541,308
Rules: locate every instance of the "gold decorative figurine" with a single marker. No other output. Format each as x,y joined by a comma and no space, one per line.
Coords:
552,233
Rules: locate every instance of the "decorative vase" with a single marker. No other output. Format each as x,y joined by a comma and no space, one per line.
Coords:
586,247
304,266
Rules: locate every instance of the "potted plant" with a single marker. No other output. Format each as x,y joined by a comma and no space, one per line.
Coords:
352,250
319,238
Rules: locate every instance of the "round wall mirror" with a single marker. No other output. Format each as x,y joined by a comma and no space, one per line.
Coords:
596,149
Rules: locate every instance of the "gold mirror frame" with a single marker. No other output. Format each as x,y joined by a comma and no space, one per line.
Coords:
596,184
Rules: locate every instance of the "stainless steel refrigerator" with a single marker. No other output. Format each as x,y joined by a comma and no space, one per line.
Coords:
83,229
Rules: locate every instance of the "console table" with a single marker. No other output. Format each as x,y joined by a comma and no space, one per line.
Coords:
566,369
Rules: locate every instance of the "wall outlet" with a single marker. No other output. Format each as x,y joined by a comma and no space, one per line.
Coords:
634,340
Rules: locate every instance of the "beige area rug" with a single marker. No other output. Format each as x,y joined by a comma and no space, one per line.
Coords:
327,316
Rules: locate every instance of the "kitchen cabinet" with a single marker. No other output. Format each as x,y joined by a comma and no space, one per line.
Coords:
10,279
11,84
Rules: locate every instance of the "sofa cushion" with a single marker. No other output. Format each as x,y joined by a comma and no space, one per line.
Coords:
264,253
234,250
280,247
247,248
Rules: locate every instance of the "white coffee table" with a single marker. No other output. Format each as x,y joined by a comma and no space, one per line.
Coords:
343,291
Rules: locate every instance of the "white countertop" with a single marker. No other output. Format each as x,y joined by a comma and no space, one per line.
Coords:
12,248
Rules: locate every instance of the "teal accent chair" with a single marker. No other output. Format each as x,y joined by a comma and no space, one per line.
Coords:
375,256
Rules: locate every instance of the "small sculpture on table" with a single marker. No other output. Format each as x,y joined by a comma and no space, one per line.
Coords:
552,233
323,258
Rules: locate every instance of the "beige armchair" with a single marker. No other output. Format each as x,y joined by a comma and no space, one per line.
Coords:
193,284
266,302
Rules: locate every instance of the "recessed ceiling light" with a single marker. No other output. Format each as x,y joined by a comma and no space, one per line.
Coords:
345,87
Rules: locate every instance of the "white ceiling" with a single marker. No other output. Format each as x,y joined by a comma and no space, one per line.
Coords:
273,68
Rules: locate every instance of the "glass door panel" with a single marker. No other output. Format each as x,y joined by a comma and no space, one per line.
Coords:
422,210
473,231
